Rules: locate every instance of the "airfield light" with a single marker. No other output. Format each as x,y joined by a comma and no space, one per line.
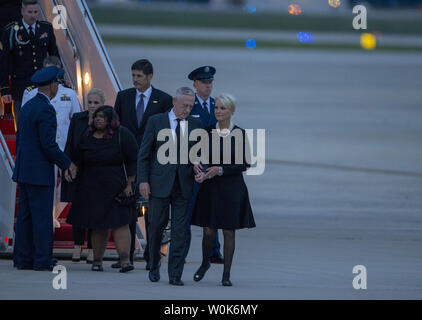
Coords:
334,3
294,9
368,41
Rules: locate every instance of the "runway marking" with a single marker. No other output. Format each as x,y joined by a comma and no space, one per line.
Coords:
345,168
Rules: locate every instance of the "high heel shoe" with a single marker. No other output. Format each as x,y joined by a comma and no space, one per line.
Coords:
126,268
90,256
201,272
76,256
226,281
96,267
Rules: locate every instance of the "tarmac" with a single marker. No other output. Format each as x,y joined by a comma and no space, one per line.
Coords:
342,184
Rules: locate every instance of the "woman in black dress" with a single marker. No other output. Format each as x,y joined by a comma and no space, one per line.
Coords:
78,125
105,152
223,200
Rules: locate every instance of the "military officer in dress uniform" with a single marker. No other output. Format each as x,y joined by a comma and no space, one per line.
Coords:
36,153
203,109
24,45
66,104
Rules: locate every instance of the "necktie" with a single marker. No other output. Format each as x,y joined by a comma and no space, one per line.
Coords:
31,34
206,110
140,110
178,139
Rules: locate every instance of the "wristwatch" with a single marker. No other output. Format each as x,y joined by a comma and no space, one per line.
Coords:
220,171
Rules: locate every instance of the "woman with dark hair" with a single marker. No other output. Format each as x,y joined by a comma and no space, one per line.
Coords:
78,126
106,161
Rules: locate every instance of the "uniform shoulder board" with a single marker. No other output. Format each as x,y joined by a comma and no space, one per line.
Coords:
30,88
45,22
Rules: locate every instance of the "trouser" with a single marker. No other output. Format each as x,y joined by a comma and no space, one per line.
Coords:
158,218
216,245
34,226
132,228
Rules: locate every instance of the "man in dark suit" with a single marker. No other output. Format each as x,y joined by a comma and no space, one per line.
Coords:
168,182
36,153
203,109
24,45
134,107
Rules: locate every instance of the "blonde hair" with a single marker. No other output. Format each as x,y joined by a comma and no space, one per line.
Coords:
99,93
228,100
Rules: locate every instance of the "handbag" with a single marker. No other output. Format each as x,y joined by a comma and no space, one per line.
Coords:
121,198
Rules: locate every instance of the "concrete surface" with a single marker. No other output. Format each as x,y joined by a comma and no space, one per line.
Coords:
342,186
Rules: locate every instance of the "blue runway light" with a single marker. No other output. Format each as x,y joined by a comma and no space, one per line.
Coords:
251,44
249,9
306,37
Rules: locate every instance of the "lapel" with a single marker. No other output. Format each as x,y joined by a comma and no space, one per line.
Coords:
131,102
212,112
150,106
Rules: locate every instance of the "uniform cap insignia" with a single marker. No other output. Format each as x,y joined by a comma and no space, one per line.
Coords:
207,69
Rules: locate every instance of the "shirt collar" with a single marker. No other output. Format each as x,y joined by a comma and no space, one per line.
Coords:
217,126
202,101
27,25
172,116
147,93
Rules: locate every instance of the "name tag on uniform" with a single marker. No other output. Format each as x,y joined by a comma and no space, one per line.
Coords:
195,115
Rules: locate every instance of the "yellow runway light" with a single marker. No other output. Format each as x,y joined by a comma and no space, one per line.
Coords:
368,41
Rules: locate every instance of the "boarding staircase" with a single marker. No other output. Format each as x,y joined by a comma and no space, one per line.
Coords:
87,65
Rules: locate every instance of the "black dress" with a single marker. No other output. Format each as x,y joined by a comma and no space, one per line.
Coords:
223,201
101,178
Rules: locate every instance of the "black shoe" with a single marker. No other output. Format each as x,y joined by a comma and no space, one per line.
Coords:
217,258
226,281
201,272
96,267
116,265
127,268
25,267
154,276
176,282
46,268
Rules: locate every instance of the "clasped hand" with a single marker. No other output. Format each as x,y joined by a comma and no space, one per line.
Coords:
71,172
201,176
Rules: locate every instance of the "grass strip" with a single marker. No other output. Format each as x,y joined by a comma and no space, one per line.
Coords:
256,21
241,44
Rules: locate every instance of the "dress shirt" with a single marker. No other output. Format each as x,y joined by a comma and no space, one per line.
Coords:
34,27
147,95
208,101
173,124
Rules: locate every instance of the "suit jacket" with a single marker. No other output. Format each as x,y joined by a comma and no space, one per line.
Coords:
161,177
36,148
199,112
78,126
125,107
22,57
